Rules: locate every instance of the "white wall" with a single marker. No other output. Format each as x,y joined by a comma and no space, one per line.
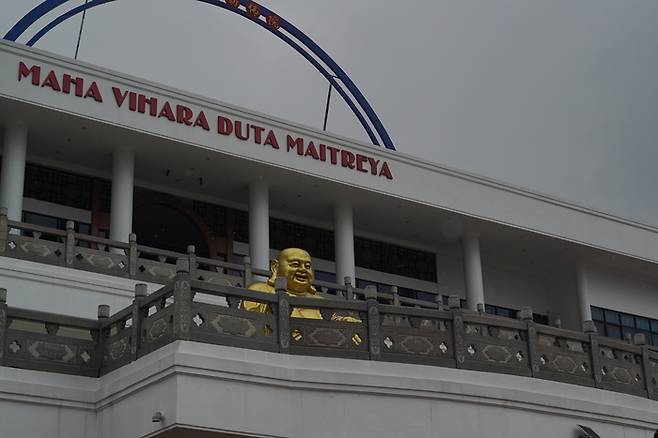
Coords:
415,180
67,291
254,393
615,289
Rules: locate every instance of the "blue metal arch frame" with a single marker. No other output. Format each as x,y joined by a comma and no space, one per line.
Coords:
254,12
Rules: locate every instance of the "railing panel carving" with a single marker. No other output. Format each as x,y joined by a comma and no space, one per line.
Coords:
621,367
50,346
224,325
564,356
101,261
35,249
495,344
117,340
158,323
342,331
416,336
354,326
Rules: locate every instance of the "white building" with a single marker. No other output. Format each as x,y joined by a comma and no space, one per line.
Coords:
119,155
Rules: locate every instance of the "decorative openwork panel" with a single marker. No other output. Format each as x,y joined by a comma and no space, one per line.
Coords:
56,348
329,338
417,339
157,327
621,367
103,262
565,356
118,342
495,344
218,278
224,325
155,271
36,250
652,373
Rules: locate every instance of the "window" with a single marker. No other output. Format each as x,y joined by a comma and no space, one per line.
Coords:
57,186
393,259
214,216
508,312
53,222
318,242
620,325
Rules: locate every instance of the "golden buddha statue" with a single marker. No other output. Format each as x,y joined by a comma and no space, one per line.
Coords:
296,267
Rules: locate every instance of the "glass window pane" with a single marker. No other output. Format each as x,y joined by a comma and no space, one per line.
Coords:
654,339
627,320
612,317
597,313
600,328
654,326
642,323
613,331
627,333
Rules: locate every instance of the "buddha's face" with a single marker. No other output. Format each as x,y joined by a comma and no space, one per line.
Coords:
295,265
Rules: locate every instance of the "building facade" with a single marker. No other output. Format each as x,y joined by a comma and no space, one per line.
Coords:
108,180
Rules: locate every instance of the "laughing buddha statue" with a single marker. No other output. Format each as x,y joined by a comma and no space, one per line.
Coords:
295,266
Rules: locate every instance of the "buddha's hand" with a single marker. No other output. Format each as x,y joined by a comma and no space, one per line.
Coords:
346,318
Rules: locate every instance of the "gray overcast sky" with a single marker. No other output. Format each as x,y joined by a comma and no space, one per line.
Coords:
559,96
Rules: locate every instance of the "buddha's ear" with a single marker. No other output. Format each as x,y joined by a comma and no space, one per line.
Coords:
274,269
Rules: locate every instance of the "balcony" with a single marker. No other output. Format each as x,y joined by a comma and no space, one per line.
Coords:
194,310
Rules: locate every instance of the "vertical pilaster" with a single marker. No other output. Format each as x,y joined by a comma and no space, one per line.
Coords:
259,226
123,185
584,307
344,242
12,179
473,271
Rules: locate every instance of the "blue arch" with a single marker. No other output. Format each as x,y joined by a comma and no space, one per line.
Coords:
253,11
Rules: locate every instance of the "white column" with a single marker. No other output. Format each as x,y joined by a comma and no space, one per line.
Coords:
584,309
259,225
473,271
123,184
13,169
344,242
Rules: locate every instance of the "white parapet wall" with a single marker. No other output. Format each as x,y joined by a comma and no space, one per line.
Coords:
55,289
252,393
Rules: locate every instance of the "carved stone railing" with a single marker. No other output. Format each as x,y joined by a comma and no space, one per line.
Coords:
359,328
143,263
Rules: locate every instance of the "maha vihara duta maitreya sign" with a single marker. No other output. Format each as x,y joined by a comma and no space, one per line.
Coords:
223,125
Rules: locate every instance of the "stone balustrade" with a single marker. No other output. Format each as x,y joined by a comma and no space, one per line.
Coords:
69,249
194,310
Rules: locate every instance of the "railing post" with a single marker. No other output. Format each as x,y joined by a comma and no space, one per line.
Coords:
526,315
138,317
4,230
69,245
640,340
439,301
191,255
396,296
3,323
103,314
590,329
283,310
132,255
457,329
349,290
182,301
247,271
374,341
